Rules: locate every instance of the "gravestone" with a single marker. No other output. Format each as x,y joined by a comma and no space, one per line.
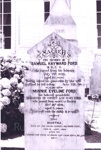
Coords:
54,94
95,79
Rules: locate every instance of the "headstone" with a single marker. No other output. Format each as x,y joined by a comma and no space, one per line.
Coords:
95,79
54,94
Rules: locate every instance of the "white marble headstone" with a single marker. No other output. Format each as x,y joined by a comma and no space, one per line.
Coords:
54,95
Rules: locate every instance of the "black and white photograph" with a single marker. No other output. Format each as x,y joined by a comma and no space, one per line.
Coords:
50,74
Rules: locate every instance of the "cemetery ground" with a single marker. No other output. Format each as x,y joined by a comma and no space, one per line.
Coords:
94,119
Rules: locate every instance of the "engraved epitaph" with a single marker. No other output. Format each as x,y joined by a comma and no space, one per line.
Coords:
54,94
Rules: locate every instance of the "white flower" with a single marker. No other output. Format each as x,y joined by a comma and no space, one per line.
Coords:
3,127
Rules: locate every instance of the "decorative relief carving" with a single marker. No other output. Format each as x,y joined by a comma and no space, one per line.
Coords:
53,50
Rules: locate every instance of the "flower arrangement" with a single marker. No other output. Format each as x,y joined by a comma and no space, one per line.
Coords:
12,72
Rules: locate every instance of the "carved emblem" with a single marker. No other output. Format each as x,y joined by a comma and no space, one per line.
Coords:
53,50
